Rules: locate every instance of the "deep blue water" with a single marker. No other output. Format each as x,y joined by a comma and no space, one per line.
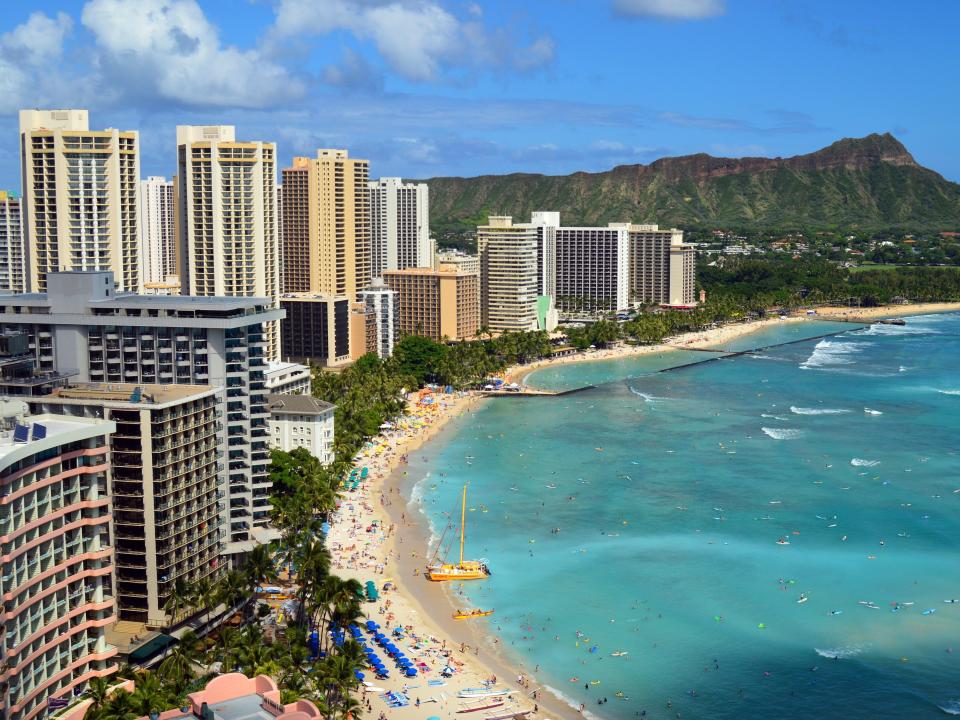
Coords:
644,514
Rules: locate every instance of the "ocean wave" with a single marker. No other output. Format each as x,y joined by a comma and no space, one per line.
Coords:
782,433
869,411
860,462
566,699
773,417
951,707
888,330
646,397
840,653
817,411
949,392
833,352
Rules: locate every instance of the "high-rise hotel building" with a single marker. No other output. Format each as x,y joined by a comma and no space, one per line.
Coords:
227,225
326,228
662,267
509,279
591,268
399,225
158,245
57,559
79,201
164,456
11,243
83,329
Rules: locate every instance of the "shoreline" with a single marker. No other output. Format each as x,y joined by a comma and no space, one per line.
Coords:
731,331
414,601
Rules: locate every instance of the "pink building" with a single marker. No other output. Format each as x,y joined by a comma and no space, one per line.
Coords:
234,696
56,557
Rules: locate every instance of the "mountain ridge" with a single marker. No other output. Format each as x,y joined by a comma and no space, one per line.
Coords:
866,182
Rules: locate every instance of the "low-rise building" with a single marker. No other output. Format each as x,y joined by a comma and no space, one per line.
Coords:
438,304
234,696
287,378
459,261
301,421
57,559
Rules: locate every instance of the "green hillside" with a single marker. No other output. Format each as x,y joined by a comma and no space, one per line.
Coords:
870,182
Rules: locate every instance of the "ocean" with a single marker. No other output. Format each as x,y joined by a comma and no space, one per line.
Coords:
770,535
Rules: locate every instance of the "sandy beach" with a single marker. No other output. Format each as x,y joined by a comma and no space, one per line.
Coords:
853,314
373,537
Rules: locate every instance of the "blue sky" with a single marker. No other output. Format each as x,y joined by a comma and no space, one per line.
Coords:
466,87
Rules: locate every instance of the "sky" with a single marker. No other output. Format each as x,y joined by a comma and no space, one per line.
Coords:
424,88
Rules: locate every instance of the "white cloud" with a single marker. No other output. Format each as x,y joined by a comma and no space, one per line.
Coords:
168,50
26,55
419,39
670,9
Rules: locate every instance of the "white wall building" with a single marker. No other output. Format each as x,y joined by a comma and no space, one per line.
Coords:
287,378
399,225
11,243
382,302
227,217
157,231
301,421
592,273
79,202
508,275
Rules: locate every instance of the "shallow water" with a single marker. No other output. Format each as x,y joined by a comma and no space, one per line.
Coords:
644,514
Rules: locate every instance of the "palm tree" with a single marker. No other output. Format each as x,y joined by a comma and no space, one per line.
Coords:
119,707
232,589
205,596
177,602
177,667
258,568
98,692
149,695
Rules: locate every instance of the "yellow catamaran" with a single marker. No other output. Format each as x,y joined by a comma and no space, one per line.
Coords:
465,569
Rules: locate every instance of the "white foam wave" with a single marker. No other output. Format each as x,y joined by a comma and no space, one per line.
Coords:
782,433
885,330
773,417
646,397
949,392
840,653
817,411
860,462
951,707
869,411
833,352
569,701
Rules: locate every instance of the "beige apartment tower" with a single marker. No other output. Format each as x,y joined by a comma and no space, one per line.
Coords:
326,228
79,204
165,456
662,267
158,247
227,224
509,278
11,243
438,304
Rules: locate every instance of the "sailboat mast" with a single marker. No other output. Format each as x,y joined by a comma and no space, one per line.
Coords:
463,522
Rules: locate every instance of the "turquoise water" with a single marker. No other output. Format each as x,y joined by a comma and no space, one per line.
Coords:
644,515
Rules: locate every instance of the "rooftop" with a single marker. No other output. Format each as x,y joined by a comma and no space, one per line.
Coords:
125,394
44,430
297,405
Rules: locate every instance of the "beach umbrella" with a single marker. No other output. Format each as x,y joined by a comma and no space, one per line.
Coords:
359,675
411,672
